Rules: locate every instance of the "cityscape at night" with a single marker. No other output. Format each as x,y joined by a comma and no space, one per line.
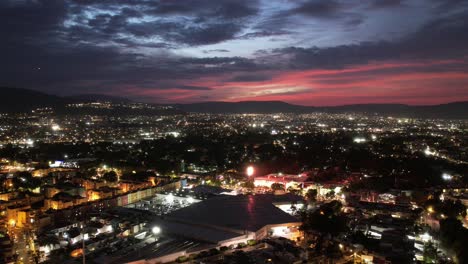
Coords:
234,131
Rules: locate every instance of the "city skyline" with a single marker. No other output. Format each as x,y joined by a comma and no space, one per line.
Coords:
302,52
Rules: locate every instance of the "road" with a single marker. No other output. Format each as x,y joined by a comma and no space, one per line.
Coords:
22,243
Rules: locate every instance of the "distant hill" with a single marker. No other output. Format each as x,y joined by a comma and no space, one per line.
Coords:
99,98
24,100
17,100
457,110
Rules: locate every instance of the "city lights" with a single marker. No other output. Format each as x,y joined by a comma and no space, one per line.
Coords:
229,131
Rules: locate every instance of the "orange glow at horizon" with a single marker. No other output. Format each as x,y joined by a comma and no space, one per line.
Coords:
417,82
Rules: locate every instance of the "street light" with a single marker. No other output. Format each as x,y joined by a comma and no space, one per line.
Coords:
430,209
156,230
250,171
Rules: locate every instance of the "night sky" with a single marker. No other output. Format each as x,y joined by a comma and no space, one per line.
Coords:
325,52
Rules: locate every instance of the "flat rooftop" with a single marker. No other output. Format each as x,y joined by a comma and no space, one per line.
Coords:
242,212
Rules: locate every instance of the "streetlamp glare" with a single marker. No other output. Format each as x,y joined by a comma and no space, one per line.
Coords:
156,230
250,171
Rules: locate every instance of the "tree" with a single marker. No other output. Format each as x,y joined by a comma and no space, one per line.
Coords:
110,176
454,238
311,196
330,194
277,187
449,208
249,185
430,253
215,182
332,250
140,176
239,257
419,197
24,180
297,190
294,207
328,219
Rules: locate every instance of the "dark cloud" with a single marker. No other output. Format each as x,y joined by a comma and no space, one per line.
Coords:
386,3
440,39
192,87
211,62
226,9
215,50
200,22
264,33
340,13
21,21
71,67
136,44
318,8
352,21
202,35
68,46
250,78
444,6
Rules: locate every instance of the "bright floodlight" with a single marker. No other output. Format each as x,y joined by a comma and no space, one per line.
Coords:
30,142
428,152
425,237
359,140
156,230
446,176
250,171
